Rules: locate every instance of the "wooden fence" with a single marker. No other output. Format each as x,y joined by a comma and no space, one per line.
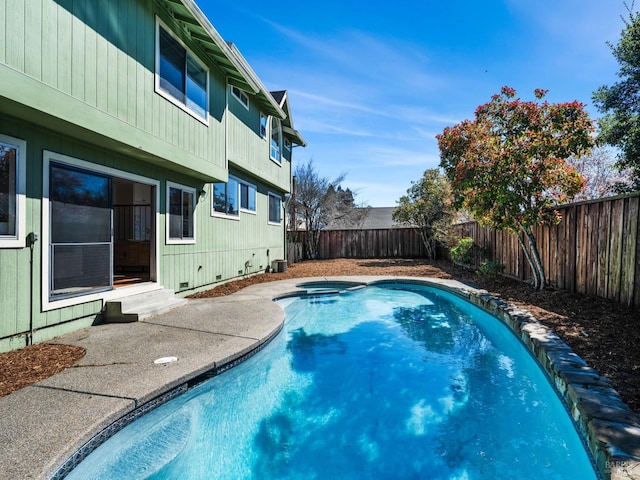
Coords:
382,243
594,250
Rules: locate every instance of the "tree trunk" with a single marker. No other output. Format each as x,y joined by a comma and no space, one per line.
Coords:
536,280
536,258
427,241
530,250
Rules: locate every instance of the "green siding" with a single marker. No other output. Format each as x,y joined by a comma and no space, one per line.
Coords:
249,152
77,78
75,50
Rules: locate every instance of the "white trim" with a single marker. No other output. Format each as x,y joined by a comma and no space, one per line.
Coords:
279,197
243,98
47,158
214,212
167,95
19,239
180,241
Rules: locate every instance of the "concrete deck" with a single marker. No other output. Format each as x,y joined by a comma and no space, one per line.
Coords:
43,425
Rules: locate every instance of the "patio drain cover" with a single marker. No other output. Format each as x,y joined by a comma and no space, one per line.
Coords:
160,361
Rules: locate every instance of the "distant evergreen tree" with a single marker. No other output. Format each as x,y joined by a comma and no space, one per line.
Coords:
620,102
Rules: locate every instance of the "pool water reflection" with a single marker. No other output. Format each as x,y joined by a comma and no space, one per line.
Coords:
380,382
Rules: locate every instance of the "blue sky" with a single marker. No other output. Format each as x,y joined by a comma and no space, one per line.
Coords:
371,83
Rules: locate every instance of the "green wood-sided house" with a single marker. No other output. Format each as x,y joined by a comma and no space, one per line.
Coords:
138,152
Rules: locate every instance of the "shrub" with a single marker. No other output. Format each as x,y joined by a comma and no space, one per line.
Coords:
462,251
491,267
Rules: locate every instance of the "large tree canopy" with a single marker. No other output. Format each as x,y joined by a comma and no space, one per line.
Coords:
620,102
508,166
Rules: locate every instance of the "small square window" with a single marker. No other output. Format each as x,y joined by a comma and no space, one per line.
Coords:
240,96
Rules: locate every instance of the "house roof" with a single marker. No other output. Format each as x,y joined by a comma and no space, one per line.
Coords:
281,97
375,218
224,54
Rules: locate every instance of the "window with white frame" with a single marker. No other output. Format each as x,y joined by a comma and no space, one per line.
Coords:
242,97
247,197
287,144
225,198
12,191
181,206
234,196
263,125
180,77
275,206
276,140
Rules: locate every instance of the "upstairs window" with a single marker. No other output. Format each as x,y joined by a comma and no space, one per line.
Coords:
12,192
240,96
276,140
263,125
180,77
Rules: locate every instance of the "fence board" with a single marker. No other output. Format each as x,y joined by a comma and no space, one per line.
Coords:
594,250
615,248
628,266
604,231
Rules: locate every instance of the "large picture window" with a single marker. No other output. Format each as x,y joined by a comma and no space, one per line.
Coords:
181,213
12,191
180,77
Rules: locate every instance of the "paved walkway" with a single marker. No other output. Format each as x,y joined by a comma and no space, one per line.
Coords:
44,424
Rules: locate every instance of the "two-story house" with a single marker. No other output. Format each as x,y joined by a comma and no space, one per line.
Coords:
138,152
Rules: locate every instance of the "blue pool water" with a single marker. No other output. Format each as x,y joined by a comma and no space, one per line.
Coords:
376,383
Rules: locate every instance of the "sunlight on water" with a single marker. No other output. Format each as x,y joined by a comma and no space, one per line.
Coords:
376,383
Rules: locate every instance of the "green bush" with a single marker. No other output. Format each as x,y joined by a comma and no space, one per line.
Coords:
491,267
462,251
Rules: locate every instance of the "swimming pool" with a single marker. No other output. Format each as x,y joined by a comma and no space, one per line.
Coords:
381,382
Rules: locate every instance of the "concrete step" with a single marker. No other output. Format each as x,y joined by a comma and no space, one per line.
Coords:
140,306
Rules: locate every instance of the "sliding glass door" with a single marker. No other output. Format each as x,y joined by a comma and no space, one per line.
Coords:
81,220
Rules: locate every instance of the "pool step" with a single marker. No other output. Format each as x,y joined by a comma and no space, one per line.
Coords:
140,306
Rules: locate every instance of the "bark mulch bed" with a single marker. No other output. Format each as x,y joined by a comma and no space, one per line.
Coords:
604,333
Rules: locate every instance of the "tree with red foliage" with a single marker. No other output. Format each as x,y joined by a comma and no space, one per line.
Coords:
508,166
